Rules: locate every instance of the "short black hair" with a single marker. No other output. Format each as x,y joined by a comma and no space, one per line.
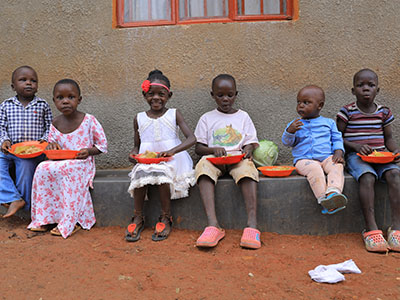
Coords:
223,76
19,68
158,75
68,81
361,71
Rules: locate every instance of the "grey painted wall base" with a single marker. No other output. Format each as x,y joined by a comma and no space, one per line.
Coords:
285,205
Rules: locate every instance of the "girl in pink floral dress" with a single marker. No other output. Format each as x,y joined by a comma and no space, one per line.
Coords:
60,190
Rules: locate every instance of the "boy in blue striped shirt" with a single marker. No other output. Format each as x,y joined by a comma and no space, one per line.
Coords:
23,117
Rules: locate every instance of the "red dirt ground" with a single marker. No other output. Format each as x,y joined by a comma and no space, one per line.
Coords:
100,265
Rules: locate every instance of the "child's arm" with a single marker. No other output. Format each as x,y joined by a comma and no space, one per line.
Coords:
190,138
351,146
289,137
136,140
203,149
248,150
99,141
48,117
4,138
390,143
337,144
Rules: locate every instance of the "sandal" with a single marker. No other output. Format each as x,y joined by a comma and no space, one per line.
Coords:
250,238
55,231
130,235
334,201
38,229
325,211
210,237
393,239
159,234
374,241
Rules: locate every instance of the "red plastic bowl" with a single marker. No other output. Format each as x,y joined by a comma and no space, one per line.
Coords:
386,157
276,171
61,154
42,146
145,160
226,160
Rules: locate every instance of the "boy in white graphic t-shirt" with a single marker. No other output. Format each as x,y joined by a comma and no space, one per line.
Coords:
222,131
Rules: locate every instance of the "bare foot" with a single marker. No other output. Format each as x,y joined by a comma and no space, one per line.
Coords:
14,207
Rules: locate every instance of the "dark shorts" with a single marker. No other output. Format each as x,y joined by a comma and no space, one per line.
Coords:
357,167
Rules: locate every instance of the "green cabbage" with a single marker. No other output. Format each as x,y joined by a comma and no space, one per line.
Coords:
266,154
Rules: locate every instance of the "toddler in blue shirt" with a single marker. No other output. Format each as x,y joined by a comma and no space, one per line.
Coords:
317,148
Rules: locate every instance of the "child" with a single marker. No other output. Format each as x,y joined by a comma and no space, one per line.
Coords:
157,130
366,127
60,191
24,117
317,149
222,130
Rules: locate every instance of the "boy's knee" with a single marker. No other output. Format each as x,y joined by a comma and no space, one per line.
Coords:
392,175
367,179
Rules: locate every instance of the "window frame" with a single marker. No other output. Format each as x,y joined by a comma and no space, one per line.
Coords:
232,15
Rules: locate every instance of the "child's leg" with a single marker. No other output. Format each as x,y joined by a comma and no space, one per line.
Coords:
367,199
335,175
8,191
393,180
312,169
163,227
249,192
207,191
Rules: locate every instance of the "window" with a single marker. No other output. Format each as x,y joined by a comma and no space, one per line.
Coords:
132,13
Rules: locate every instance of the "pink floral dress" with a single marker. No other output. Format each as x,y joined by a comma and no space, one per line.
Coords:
60,189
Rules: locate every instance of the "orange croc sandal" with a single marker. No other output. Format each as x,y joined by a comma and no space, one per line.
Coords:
160,228
130,234
374,241
210,237
394,239
250,238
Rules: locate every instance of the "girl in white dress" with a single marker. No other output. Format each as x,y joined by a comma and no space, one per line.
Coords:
157,130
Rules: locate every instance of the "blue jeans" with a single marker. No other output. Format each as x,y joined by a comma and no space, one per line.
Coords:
11,191
357,167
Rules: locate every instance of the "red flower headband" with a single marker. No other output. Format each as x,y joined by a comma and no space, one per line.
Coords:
146,85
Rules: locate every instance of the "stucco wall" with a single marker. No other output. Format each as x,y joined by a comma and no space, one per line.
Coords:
329,42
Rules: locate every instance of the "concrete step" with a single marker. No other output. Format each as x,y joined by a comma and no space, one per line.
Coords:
285,205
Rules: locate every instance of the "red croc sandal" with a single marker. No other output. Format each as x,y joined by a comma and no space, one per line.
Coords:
250,238
210,237
160,233
394,239
374,241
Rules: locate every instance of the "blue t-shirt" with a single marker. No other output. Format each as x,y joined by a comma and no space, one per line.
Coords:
317,139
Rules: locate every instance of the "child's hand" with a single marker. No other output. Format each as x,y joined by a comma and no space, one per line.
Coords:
133,153
248,152
397,158
83,154
53,146
166,153
365,150
337,157
219,151
6,146
296,125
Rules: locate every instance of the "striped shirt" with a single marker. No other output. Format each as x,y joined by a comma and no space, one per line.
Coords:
19,123
366,128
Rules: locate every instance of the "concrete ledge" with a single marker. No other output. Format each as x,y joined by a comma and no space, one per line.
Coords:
285,205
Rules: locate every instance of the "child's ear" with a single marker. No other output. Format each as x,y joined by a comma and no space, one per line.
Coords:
352,91
12,86
212,94
321,105
170,94
79,99
377,90
236,93
144,94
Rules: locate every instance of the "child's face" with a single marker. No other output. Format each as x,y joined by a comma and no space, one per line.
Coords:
224,93
365,87
66,98
309,103
157,96
25,83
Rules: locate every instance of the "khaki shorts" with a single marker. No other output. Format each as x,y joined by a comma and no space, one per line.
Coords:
245,168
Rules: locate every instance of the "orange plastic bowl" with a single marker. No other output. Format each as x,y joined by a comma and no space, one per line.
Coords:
226,160
61,154
42,146
386,157
276,171
146,160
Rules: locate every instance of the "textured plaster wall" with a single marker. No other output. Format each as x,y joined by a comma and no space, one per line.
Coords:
271,61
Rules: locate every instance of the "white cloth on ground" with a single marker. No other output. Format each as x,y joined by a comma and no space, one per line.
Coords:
333,273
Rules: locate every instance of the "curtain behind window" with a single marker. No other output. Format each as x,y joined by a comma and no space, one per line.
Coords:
147,10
